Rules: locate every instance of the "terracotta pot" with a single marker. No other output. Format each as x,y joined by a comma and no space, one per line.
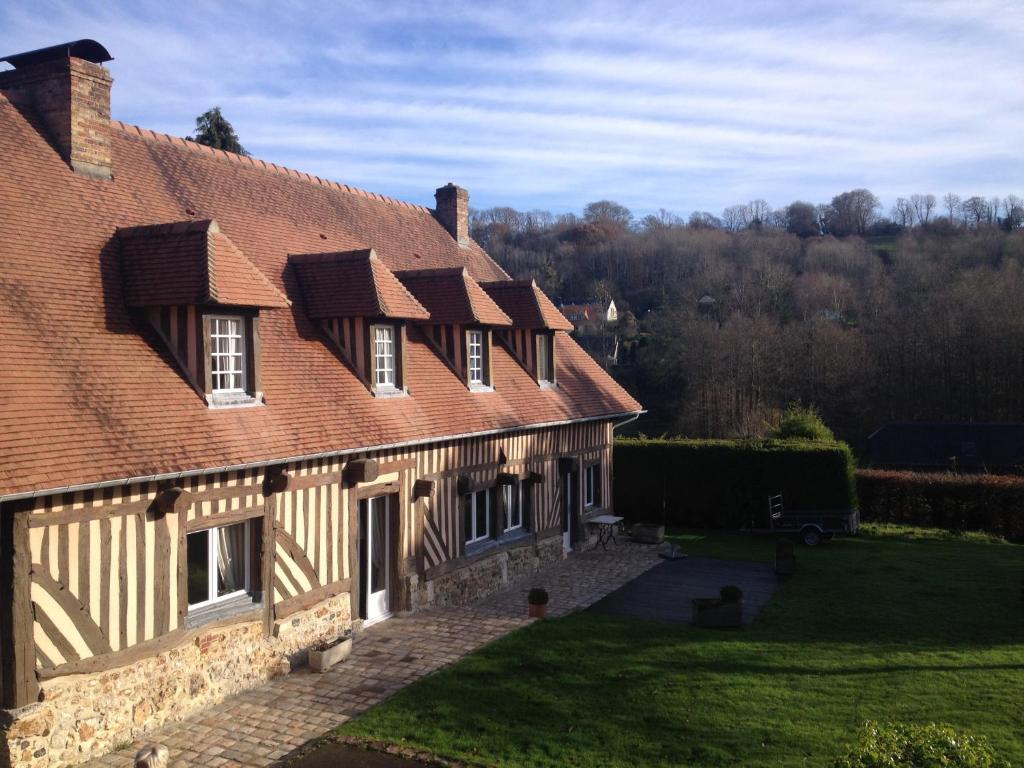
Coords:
538,611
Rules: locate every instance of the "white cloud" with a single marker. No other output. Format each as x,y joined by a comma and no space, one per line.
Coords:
677,105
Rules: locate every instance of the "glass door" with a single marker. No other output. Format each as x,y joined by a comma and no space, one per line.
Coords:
376,559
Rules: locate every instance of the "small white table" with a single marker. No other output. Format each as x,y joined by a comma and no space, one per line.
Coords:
606,525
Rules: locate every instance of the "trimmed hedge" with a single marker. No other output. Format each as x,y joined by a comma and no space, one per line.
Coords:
726,483
991,503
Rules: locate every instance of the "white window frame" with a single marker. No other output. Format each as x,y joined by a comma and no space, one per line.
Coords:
472,536
385,357
211,566
513,493
215,355
546,344
475,359
591,477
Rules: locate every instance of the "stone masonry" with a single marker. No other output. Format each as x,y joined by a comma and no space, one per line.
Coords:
262,726
81,716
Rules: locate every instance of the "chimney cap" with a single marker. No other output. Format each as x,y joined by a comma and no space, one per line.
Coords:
86,49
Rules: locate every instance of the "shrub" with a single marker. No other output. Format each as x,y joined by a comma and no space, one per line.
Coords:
898,745
537,596
726,483
802,422
730,594
992,503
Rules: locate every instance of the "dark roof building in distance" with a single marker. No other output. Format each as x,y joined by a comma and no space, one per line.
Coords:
959,446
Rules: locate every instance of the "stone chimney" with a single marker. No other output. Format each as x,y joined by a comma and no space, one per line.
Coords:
68,90
452,211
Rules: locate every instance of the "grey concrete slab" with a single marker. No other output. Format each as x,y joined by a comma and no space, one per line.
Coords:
666,590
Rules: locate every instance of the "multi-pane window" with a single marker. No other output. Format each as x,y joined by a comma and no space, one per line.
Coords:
227,354
592,485
384,356
513,497
477,515
545,367
475,356
219,564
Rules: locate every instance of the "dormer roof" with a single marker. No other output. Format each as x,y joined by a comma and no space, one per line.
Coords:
353,284
190,263
453,297
527,305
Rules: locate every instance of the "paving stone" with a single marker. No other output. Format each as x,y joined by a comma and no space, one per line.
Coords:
261,726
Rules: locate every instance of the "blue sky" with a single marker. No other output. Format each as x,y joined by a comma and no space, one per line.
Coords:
676,105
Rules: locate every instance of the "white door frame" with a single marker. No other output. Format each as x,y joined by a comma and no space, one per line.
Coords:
378,604
567,514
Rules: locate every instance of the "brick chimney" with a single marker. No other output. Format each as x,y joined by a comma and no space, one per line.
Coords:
452,210
68,90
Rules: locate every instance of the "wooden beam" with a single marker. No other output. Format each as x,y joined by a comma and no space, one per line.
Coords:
17,645
535,477
422,489
173,500
362,471
308,599
507,478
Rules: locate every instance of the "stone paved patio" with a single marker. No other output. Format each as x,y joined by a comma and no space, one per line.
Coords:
259,727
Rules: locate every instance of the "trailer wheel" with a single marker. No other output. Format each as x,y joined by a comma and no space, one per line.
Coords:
811,536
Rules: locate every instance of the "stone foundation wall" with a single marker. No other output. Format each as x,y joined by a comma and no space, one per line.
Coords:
84,716
486,575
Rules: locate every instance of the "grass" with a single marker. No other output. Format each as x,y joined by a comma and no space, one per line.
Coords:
897,624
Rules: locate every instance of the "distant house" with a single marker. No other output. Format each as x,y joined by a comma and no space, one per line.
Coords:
706,304
966,446
592,314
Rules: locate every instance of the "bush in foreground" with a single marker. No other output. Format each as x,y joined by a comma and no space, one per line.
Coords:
897,745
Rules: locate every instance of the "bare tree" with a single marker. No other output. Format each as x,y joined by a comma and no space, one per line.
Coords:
975,211
923,207
903,212
952,203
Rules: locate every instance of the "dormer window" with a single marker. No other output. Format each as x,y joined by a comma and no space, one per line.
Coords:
227,355
475,345
546,358
384,377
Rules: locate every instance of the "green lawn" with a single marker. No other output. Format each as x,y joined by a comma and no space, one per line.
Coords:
896,624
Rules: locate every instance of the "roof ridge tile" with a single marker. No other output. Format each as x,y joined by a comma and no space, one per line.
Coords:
236,158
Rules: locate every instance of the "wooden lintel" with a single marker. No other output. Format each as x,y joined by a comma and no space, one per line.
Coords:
464,485
535,477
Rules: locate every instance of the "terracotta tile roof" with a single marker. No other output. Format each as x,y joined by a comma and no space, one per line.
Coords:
190,262
453,297
89,394
527,305
353,284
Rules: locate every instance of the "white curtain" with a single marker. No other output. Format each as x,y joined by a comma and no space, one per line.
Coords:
231,558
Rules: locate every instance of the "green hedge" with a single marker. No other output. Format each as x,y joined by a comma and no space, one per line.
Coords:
726,483
992,503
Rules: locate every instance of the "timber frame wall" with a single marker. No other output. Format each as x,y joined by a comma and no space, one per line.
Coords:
94,579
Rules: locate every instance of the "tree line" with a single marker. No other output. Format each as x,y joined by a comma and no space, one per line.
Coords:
726,320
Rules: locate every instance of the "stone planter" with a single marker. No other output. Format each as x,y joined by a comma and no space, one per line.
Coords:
647,533
538,611
322,659
712,613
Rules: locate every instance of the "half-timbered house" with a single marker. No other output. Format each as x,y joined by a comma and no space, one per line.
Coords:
244,409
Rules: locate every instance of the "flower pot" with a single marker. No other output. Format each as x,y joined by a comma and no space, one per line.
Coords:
647,533
322,659
538,611
712,613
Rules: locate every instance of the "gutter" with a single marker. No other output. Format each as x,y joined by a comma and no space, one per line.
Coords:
633,415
